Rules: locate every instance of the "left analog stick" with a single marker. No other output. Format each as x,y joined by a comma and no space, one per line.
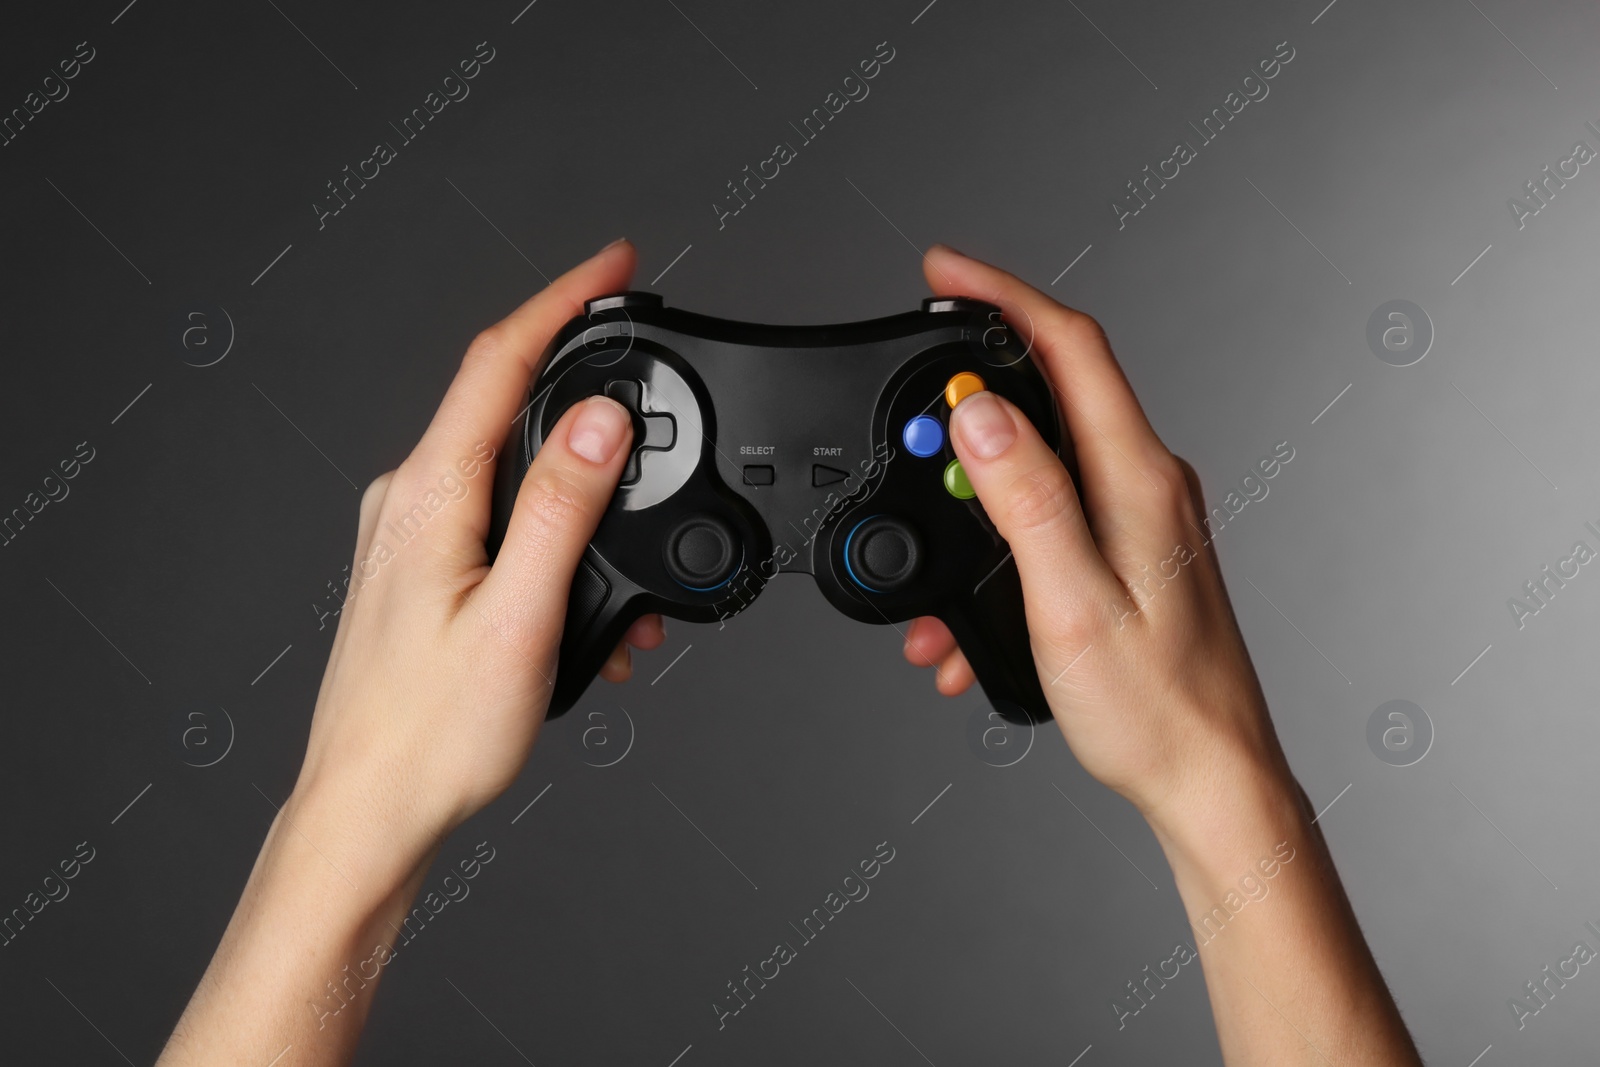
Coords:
701,553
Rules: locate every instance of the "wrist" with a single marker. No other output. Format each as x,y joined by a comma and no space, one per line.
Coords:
297,959
1243,809
369,841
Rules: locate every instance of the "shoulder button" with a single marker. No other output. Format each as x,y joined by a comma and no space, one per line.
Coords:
936,304
631,299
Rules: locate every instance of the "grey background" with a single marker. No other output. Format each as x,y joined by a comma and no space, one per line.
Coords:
191,550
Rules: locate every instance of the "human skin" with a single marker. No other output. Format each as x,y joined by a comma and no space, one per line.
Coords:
435,690
439,679
1155,693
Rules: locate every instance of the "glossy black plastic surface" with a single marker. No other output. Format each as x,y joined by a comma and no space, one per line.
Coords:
760,450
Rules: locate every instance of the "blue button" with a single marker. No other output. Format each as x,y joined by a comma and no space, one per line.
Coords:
923,436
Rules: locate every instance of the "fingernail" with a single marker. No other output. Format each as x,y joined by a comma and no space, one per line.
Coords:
984,425
597,432
613,244
950,248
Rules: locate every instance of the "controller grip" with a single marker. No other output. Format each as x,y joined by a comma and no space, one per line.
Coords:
991,626
599,612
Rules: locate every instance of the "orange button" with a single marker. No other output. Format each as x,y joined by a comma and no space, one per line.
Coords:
962,386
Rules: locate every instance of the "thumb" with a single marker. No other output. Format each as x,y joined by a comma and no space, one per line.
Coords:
1030,498
558,506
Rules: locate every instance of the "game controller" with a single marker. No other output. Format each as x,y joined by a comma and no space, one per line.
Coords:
760,450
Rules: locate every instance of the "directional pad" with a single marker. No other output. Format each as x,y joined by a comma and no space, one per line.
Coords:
653,431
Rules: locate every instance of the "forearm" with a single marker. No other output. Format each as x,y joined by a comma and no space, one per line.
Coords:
435,688
302,956
1290,977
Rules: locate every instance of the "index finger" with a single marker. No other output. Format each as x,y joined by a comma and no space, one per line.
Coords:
492,384
1109,428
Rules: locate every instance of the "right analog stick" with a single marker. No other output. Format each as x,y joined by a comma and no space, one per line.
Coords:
701,553
883,554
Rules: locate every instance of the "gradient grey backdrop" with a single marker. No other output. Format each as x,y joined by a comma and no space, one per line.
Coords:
181,574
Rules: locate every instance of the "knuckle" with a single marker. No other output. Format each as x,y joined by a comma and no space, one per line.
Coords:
1080,328
553,500
1166,474
1040,498
1070,624
373,495
1191,492
1076,627
406,482
490,340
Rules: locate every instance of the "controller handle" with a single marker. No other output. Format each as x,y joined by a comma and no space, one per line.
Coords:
601,605
991,626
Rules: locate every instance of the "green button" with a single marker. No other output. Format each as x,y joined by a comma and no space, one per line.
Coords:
955,482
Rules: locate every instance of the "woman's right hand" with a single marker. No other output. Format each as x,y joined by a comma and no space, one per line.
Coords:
1134,638
1146,672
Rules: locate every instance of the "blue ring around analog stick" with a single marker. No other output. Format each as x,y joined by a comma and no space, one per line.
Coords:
849,569
923,436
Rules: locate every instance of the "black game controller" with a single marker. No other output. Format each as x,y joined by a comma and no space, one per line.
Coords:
821,450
